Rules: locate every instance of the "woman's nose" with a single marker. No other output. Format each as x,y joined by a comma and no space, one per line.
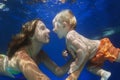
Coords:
48,30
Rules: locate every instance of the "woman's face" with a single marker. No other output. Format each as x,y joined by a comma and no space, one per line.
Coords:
41,33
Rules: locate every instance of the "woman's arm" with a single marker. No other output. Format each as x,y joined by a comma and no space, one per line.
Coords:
28,67
4,66
51,65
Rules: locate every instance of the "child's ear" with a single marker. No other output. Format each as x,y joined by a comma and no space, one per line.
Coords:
65,24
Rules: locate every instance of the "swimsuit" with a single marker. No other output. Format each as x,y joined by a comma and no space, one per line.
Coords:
106,51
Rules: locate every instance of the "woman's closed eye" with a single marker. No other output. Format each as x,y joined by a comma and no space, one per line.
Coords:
42,28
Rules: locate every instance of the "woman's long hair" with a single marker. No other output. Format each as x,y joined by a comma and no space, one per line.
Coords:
23,38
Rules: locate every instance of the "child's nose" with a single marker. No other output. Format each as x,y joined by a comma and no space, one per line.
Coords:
54,29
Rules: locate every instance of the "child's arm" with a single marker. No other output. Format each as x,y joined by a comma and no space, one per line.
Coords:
76,69
79,50
80,60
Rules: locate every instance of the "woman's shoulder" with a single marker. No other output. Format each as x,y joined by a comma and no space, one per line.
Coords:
21,51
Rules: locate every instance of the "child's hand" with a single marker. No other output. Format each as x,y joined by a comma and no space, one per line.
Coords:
65,53
73,67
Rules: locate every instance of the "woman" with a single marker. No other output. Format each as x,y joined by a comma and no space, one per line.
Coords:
24,53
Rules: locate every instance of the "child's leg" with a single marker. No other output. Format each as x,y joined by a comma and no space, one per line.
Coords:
100,72
118,58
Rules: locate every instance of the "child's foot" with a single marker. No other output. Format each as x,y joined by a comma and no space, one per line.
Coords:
105,75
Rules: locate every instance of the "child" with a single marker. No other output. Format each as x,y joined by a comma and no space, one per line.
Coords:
83,49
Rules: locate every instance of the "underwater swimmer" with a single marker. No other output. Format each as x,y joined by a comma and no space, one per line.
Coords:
84,50
24,53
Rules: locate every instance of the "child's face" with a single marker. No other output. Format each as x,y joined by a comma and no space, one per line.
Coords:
60,29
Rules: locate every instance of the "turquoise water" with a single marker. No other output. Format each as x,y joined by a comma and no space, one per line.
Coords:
96,19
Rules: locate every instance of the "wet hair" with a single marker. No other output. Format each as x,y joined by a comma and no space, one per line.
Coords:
67,16
23,38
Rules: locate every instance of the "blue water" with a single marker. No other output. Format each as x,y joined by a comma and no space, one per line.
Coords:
96,19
